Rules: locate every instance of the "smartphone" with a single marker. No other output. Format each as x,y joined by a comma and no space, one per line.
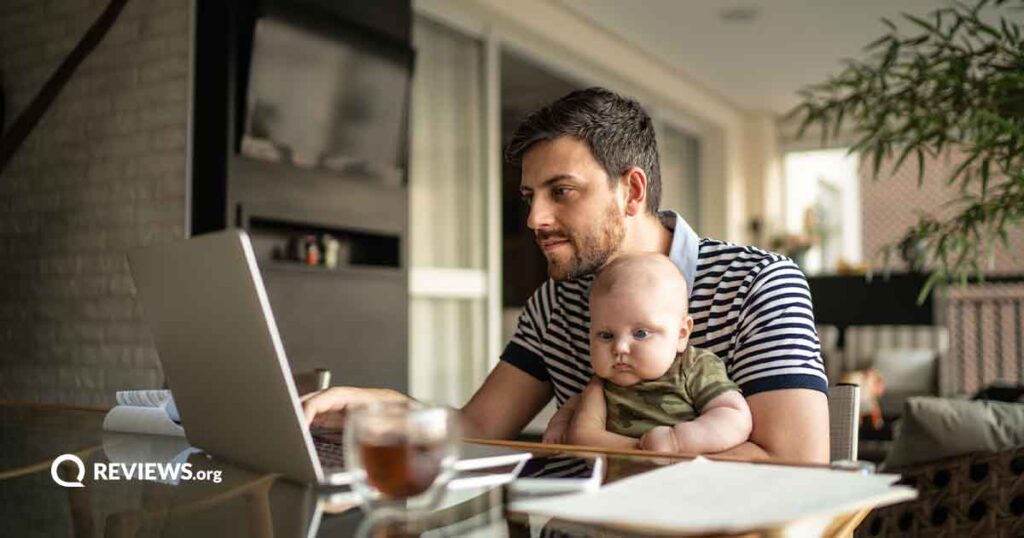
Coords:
495,475
559,474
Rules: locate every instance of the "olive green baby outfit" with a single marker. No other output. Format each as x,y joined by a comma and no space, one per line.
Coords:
696,377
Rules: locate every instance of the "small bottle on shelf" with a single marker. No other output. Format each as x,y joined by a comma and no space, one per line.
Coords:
312,250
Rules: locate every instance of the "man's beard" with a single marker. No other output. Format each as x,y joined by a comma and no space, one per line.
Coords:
589,251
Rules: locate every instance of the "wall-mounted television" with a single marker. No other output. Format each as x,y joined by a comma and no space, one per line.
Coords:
317,101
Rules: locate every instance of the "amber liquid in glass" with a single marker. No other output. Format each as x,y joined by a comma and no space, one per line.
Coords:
398,468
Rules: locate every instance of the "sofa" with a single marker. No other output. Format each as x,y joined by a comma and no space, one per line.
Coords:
966,459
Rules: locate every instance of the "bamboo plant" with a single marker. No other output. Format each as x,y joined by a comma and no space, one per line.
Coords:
949,84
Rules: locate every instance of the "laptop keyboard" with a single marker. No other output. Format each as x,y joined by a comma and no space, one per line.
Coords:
332,455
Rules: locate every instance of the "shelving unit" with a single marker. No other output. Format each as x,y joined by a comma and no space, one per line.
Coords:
351,319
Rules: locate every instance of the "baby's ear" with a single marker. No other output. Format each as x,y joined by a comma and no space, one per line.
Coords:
684,333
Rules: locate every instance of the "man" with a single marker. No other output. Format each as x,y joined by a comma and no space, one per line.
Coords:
591,177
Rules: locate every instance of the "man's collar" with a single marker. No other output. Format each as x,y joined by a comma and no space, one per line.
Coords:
685,245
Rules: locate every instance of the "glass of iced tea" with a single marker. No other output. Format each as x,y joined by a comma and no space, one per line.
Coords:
401,454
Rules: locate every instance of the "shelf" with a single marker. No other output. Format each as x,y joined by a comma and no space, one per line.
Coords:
272,238
357,271
277,192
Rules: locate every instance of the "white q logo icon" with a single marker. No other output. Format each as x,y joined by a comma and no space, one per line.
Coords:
81,471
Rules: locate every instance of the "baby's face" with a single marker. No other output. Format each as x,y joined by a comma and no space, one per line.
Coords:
635,337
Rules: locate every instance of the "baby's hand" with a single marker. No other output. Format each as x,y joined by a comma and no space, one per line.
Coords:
659,439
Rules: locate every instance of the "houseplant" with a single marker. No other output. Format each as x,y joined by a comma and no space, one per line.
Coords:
947,84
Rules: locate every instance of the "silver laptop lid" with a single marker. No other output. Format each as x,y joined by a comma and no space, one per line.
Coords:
208,311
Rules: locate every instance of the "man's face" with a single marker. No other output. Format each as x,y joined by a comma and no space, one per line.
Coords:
575,216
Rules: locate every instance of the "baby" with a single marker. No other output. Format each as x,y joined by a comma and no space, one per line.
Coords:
651,390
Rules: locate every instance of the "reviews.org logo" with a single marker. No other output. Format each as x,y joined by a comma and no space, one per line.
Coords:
164,472
80,474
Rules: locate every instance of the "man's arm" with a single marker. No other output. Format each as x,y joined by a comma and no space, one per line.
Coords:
500,408
790,425
504,404
777,363
513,393
519,386
589,425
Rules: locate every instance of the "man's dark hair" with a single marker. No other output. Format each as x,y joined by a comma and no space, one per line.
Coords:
617,130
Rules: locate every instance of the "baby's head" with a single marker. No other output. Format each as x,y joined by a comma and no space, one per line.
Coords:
639,318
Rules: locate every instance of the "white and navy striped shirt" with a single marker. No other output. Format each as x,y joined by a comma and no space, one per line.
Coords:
750,307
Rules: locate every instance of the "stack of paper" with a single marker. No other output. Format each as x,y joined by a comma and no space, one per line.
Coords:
144,411
703,496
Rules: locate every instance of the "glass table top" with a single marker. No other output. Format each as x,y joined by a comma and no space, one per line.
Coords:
240,502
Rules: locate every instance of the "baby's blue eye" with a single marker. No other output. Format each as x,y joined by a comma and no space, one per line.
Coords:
604,335
640,334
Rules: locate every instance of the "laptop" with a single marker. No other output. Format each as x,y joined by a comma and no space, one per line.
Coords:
222,355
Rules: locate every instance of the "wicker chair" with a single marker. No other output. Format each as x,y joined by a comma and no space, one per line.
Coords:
980,494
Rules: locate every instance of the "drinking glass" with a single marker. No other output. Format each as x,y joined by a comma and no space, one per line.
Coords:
401,454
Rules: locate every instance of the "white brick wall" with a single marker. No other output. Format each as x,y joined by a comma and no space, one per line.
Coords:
103,171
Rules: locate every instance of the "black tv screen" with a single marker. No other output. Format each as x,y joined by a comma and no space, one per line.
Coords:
318,102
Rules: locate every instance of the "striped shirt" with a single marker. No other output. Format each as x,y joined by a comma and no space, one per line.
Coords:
750,307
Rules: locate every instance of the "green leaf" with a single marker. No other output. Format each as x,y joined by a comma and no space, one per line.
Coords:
861,143
963,166
838,121
985,167
929,284
877,160
808,120
984,28
921,22
891,54
920,167
903,156
878,43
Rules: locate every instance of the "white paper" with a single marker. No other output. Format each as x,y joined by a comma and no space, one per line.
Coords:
142,398
704,496
151,420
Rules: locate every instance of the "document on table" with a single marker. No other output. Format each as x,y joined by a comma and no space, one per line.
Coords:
703,496
144,411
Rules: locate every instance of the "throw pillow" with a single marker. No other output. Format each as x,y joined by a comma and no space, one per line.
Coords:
937,428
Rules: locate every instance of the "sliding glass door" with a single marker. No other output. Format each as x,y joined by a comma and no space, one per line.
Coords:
448,223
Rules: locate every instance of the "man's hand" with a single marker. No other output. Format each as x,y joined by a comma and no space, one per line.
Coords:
659,439
557,431
326,408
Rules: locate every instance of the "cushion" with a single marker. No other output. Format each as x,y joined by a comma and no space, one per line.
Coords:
907,370
936,428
